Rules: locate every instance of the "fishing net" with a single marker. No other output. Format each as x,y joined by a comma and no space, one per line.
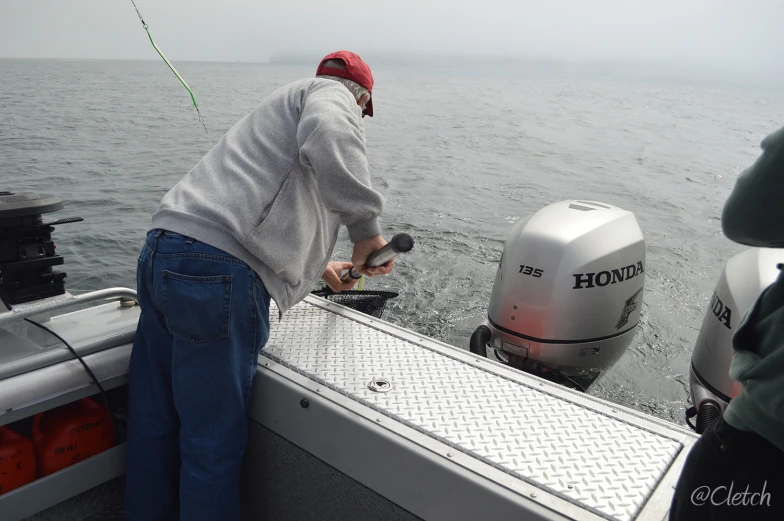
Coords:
365,301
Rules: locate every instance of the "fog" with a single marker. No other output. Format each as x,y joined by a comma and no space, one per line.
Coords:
731,35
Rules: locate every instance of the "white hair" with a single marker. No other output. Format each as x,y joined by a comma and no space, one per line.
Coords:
354,88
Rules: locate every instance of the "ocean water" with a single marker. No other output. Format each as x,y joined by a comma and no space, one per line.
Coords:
459,158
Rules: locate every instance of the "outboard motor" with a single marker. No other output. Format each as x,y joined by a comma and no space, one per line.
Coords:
744,278
568,292
27,253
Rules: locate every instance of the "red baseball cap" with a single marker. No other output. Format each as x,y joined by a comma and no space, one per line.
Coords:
356,70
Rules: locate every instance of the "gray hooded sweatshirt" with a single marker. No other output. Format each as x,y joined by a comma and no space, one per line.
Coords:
274,191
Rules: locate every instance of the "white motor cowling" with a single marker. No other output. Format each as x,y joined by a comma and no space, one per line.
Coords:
568,291
743,279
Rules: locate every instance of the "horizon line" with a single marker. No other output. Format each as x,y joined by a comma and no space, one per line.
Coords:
412,59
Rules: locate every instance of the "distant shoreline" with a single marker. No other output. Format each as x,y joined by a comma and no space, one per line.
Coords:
489,64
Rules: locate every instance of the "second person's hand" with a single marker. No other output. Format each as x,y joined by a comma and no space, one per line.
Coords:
331,276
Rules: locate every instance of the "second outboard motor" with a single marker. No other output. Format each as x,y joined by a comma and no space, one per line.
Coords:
568,292
744,278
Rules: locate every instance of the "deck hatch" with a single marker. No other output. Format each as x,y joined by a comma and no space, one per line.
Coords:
602,464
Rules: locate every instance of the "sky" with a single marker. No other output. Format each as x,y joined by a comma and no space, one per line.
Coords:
729,34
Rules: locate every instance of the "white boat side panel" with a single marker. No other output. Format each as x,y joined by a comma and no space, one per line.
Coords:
600,463
24,391
25,348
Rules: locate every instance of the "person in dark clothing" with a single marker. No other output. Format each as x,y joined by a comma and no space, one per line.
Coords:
735,471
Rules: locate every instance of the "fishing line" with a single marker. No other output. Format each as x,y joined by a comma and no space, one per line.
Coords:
160,53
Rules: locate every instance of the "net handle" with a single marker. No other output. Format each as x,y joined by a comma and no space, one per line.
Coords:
400,243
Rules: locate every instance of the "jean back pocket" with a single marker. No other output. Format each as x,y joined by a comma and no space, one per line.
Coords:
197,309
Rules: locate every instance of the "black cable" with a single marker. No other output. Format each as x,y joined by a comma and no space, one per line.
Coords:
691,412
86,368
479,340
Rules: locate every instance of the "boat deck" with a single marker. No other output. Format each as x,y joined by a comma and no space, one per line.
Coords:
433,429
578,451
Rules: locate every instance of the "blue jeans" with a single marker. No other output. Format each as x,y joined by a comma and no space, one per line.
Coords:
204,318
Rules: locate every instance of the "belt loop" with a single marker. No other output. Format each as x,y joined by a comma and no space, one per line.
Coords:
188,240
158,235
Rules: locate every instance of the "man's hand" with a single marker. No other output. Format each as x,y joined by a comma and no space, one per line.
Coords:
331,276
362,251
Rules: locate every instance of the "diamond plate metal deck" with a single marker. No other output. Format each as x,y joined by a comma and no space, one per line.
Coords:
599,463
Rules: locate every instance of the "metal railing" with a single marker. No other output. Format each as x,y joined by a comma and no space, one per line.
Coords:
53,356
36,308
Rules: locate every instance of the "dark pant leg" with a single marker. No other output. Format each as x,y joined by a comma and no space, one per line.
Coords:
730,475
153,462
217,311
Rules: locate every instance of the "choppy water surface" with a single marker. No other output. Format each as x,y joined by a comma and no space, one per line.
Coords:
459,158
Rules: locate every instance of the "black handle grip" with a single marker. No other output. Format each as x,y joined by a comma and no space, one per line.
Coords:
400,243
